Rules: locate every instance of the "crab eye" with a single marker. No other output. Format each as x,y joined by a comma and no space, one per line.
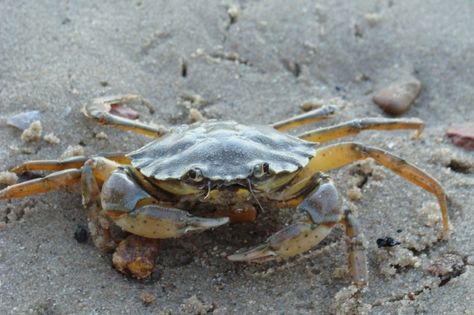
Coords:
260,169
195,174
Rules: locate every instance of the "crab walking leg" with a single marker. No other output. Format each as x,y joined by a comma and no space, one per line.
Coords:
306,118
41,185
342,154
354,127
134,255
100,108
98,224
322,211
59,165
356,243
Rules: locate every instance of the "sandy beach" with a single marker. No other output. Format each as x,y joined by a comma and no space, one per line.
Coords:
255,62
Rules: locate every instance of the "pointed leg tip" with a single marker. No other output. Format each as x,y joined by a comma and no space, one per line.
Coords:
258,254
197,224
216,222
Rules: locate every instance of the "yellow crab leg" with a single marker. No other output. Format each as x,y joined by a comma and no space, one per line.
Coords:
59,165
99,109
321,212
353,127
103,168
357,257
55,180
342,154
97,222
306,118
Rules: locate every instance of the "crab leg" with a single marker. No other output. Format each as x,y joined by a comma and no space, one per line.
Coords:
342,154
40,185
98,224
322,210
357,257
100,108
59,165
306,118
353,127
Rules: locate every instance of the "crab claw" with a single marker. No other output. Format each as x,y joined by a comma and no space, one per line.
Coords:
260,253
290,241
154,221
199,224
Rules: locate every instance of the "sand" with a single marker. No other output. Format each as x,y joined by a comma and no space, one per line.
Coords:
253,62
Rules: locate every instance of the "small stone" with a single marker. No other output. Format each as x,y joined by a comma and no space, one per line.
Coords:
387,242
354,193
33,133
23,120
102,135
51,138
462,135
233,13
80,235
372,18
311,104
136,256
147,298
341,272
8,178
397,97
72,150
195,115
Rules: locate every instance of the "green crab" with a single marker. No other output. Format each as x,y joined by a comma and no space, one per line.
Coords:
226,166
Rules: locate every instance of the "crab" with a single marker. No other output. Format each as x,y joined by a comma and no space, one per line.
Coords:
232,170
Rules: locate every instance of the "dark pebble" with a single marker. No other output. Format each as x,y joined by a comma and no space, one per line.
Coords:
387,242
81,233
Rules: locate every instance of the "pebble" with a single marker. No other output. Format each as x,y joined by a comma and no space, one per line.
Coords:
8,178
72,150
147,298
195,115
233,13
23,120
101,135
80,234
51,138
397,98
387,242
462,135
311,104
33,133
372,18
